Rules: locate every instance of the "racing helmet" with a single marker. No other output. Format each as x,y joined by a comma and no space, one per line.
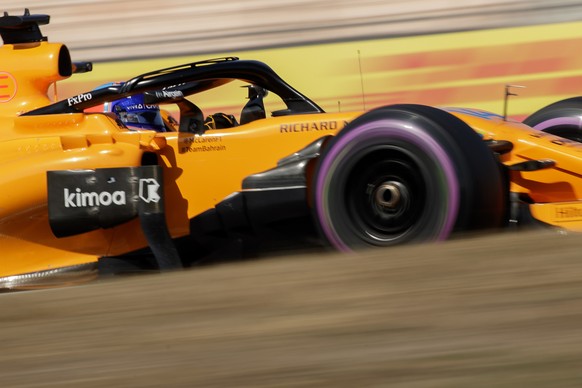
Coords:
134,112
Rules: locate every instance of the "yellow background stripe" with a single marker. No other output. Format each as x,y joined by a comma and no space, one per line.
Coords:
461,69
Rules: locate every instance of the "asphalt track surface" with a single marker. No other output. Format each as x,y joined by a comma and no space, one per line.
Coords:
488,311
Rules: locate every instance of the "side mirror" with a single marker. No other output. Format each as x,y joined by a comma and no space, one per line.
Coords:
82,67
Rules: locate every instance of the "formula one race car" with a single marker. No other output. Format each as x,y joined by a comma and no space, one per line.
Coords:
83,193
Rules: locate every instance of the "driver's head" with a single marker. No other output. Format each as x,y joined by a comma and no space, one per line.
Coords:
134,113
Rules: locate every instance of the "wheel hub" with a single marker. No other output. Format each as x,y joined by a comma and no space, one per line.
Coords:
385,195
390,196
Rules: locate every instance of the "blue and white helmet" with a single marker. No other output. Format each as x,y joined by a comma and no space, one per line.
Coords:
134,113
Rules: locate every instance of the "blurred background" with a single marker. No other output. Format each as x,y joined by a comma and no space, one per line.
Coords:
346,55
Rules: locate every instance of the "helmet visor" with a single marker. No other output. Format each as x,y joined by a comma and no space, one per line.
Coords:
140,116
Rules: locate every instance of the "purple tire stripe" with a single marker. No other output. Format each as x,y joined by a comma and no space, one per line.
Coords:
558,121
397,130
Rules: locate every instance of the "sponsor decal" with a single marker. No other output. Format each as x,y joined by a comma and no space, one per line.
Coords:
79,198
169,94
148,190
202,143
141,107
568,212
79,98
8,87
312,126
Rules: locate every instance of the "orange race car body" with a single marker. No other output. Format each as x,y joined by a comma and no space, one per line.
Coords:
81,192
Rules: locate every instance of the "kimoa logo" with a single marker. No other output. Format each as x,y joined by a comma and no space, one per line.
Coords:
80,198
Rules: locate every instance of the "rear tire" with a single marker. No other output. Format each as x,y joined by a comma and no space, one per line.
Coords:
562,118
405,173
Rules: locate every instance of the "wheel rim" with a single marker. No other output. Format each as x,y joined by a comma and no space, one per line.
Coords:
385,195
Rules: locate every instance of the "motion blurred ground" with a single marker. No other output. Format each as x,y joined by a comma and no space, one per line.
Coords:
501,311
